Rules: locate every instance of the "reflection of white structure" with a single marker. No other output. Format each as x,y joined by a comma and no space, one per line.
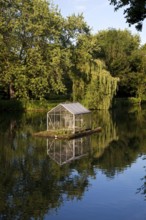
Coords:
63,151
68,116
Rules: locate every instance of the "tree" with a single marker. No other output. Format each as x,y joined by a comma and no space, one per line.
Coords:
124,59
92,83
82,56
76,34
101,88
31,54
37,45
116,48
135,11
74,26
81,69
25,31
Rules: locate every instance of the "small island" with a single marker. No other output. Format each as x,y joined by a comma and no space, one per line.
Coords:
61,134
68,121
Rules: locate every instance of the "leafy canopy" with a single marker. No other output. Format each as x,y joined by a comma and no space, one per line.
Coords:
134,10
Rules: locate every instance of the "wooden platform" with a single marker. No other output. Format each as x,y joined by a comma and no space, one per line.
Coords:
51,134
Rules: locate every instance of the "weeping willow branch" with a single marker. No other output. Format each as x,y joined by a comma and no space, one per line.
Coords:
101,88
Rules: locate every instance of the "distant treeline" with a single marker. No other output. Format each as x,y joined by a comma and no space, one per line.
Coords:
43,54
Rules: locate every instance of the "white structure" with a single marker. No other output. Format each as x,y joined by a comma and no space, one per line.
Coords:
69,116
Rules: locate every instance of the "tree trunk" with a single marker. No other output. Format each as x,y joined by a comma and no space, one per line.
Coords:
11,91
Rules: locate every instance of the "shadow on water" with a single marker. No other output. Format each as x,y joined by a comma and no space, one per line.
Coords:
39,175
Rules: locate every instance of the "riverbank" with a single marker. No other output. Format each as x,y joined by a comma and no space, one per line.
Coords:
35,105
46,105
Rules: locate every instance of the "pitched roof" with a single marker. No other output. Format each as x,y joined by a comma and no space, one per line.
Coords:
74,108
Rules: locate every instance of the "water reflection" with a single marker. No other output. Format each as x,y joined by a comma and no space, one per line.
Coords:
65,151
109,132
33,182
130,141
142,188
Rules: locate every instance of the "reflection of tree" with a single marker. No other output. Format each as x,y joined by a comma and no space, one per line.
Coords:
119,155
108,134
32,184
131,133
131,122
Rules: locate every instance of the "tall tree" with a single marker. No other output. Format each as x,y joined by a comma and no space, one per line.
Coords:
38,46
134,10
82,59
75,32
101,88
121,52
30,33
116,47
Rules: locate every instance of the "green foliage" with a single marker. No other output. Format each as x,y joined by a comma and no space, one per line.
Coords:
83,56
37,105
36,48
101,89
124,59
134,11
116,48
29,64
29,105
43,54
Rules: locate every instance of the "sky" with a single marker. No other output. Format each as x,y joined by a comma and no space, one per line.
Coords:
99,15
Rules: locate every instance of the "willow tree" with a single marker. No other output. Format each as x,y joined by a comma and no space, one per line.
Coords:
83,55
100,142
102,87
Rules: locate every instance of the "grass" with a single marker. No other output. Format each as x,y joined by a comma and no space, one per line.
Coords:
32,105
37,105
46,105
53,133
66,134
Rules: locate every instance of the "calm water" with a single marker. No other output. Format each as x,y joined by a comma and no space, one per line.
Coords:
102,176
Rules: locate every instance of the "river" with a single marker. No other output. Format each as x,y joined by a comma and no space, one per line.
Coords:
102,176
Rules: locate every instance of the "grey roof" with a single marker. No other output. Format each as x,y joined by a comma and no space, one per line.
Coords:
74,108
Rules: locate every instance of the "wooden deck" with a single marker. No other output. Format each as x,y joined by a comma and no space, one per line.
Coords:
51,134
